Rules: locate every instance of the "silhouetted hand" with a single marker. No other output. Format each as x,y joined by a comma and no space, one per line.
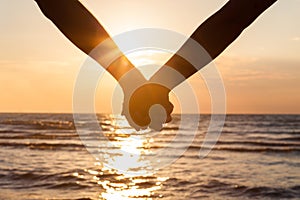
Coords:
148,106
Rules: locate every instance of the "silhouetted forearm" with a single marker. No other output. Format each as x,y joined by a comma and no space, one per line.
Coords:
215,35
84,31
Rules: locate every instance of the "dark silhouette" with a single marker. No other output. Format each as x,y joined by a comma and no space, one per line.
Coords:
220,30
83,30
215,35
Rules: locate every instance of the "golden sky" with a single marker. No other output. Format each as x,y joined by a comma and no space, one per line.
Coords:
38,66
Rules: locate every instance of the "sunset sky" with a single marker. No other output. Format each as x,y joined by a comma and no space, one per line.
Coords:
38,65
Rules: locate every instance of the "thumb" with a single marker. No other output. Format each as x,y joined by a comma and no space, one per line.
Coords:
158,117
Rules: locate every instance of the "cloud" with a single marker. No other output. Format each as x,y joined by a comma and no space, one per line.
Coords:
240,69
295,39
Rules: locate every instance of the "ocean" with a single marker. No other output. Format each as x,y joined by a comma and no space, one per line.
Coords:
43,157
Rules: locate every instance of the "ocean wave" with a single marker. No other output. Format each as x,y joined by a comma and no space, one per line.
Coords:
242,191
260,143
39,136
32,179
70,185
42,154
43,146
41,124
296,139
14,174
76,145
267,192
249,149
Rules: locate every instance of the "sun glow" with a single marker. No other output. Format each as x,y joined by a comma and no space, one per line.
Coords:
148,61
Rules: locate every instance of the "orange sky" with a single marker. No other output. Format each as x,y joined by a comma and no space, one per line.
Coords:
38,66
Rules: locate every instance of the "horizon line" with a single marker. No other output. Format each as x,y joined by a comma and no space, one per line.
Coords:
231,113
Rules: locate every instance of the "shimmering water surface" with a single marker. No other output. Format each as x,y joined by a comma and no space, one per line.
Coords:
42,157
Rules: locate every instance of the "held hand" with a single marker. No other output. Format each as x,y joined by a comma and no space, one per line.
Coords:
148,106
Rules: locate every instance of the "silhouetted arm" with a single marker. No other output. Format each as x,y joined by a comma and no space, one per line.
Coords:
84,31
214,35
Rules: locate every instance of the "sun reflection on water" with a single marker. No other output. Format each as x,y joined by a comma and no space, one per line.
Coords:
129,187
126,173
129,148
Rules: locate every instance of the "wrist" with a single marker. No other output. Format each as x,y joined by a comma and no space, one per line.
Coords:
131,81
167,77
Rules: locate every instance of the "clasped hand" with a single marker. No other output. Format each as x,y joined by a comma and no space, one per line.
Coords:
147,105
